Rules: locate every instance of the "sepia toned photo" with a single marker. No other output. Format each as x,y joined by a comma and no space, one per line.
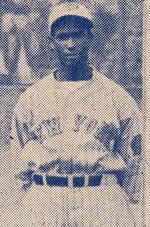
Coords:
73,113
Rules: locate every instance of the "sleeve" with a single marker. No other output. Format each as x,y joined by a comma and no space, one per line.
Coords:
18,134
129,145
27,151
19,138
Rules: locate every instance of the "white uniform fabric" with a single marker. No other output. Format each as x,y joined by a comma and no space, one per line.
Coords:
106,205
69,8
64,119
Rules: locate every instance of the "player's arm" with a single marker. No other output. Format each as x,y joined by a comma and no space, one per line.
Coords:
129,145
23,169
18,135
24,142
26,148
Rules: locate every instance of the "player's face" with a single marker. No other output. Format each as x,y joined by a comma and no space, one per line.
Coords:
72,44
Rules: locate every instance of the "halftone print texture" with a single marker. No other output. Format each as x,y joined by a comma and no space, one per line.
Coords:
72,121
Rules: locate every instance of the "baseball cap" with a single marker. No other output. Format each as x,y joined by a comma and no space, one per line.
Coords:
69,9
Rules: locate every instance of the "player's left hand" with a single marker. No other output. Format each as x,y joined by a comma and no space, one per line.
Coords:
89,153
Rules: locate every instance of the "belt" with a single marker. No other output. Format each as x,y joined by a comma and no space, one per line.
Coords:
93,181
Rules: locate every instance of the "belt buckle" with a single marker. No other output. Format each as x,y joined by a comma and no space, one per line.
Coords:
78,181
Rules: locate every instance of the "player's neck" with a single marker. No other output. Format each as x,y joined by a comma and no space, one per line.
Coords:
73,73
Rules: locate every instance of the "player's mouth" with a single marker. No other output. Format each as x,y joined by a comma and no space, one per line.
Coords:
72,56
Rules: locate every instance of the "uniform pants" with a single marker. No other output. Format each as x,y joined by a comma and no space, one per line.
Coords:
105,205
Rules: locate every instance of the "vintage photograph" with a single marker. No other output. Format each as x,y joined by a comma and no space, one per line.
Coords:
73,113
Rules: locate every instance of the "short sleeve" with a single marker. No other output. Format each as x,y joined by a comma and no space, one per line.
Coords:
16,134
129,143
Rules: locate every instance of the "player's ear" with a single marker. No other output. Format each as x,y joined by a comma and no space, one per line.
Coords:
91,33
90,38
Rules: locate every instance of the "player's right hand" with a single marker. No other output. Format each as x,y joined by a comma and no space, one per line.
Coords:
36,153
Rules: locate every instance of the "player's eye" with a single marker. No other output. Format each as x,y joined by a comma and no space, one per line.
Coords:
77,35
73,35
63,36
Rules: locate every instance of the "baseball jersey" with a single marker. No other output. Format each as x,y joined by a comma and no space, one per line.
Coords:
88,120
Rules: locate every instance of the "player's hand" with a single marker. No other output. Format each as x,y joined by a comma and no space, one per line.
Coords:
89,153
36,153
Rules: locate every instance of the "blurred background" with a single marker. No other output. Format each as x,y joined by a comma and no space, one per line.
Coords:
27,53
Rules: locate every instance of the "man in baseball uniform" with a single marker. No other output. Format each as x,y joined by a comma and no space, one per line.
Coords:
75,130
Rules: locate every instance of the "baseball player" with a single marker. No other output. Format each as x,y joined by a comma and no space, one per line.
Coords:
74,131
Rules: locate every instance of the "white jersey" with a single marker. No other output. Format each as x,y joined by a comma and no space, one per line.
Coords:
59,114
86,121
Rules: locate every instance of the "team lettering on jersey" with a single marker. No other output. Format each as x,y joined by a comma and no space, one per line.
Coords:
105,133
52,127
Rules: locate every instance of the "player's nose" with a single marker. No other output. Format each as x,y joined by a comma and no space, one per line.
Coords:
70,43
